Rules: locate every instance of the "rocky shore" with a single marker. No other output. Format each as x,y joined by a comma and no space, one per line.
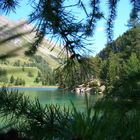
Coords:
95,86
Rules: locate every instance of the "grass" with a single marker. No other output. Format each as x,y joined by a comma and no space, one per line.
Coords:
13,48
53,62
14,51
18,72
112,119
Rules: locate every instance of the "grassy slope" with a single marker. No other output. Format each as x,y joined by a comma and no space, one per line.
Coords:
18,72
14,50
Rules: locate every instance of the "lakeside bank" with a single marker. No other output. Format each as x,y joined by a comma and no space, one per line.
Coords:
36,87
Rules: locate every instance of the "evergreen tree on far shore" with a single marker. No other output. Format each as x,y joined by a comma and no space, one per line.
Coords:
12,79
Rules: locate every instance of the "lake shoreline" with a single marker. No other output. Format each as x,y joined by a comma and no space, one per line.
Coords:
8,86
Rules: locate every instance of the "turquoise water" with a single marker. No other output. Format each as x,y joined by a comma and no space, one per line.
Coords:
57,96
54,96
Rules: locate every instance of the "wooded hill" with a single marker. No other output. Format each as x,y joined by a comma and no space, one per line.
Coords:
16,68
119,62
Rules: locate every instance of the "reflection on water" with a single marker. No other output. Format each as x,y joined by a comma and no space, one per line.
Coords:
57,96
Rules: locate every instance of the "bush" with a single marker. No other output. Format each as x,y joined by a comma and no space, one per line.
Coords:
12,79
19,81
30,74
3,75
93,84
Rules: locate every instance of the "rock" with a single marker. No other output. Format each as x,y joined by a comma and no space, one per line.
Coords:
102,88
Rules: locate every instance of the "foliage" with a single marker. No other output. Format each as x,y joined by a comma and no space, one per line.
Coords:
96,66
11,134
132,64
17,72
3,75
46,75
120,60
119,119
19,81
17,63
134,19
110,118
56,19
72,73
115,116
53,17
30,117
35,69
30,74
12,79
124,45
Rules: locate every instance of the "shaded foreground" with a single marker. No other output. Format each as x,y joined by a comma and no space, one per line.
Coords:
109,119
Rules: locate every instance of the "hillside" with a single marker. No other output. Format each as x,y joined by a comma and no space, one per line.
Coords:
118,64
15,39
125,44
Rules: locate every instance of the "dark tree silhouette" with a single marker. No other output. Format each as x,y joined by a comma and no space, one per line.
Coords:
54,17
114,117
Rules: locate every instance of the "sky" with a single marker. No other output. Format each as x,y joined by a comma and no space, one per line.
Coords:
99,39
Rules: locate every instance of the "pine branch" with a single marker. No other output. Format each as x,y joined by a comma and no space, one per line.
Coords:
31,117
8,5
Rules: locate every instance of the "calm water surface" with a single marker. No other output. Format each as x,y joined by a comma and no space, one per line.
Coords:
57,96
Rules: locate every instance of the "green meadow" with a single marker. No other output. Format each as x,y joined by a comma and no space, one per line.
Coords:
23,73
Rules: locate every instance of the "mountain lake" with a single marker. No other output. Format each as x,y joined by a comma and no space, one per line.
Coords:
57,96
